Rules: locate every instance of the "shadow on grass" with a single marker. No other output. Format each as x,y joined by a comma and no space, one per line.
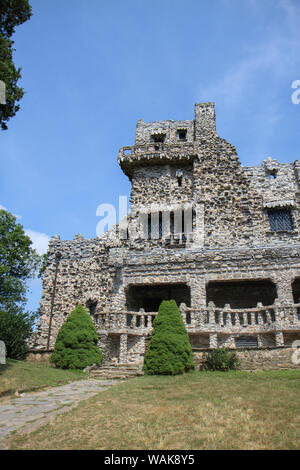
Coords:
8,365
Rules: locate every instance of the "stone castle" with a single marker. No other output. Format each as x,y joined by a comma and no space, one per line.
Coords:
219,238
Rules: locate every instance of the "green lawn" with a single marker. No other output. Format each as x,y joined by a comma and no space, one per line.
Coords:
22,375
201,410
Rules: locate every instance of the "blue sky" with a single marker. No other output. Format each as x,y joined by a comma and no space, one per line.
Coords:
91,69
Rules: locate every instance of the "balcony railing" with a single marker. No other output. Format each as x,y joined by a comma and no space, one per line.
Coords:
209,319
185,149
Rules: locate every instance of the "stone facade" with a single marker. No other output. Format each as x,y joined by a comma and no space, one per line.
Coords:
219,238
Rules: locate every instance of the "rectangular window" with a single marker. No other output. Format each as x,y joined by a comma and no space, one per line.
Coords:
280,220
158,138
246,342
181,133
155,229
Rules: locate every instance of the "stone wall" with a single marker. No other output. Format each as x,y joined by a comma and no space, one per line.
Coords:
258,359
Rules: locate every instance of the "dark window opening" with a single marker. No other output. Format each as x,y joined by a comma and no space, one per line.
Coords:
172,223
160,225
91,306
155,230
181,133
271,174
149,297
280,220
241,294
179,180
246,342
158,138
149,226
296,290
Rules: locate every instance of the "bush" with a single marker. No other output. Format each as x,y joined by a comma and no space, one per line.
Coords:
76,342
15,329
220,359
169,351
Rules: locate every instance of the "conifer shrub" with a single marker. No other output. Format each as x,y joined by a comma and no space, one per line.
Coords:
220,359
169,351
76,342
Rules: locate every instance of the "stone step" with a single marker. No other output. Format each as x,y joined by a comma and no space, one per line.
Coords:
118,368
120,372
117,371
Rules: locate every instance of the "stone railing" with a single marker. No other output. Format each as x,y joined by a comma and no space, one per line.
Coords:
209,319
135,152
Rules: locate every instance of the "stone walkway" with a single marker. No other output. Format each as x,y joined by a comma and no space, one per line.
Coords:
31,410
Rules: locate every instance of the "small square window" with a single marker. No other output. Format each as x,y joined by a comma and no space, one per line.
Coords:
280,220
158,138
271,174
182,134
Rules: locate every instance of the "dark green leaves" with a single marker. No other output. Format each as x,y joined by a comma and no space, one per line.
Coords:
12,14
169,351
76,343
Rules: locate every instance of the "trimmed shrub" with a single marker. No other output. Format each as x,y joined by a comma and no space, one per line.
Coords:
220,359
76,342
169,351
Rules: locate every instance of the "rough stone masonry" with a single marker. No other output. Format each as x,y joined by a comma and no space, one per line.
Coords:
219,238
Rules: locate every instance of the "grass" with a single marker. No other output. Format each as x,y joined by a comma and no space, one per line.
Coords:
24,376
202,410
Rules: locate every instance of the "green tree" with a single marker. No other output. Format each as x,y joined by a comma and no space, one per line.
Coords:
16,327
169,351
12,14
76,342
18,263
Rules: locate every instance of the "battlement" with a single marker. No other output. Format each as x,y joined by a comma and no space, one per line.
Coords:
174,132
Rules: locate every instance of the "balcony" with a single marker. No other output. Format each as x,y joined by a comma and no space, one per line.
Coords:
156,152
210,319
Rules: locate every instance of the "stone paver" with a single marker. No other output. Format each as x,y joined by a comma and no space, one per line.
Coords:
39,407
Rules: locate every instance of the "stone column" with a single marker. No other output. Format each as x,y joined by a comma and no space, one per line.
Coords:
259,341
198,292
284,290
213,340
123,348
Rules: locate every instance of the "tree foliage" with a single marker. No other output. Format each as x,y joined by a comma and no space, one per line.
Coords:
169,351
15,329
76,342
12,14
18,262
